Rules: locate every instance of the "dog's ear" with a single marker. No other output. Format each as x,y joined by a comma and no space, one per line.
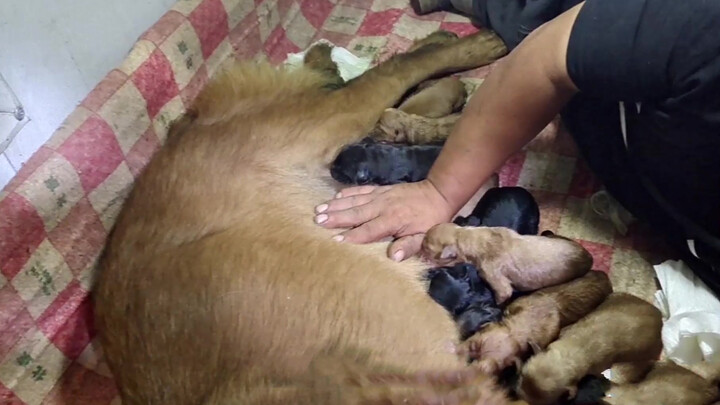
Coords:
449,252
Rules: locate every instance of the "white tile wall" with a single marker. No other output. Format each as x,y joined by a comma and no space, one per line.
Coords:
52,53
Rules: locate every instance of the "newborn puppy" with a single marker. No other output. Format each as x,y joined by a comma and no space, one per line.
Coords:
666,384
398,126
369,162
534,321
465,295
624,330
436,98
508,207
506,259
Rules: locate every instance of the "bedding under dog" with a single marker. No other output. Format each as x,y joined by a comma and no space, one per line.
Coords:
55,214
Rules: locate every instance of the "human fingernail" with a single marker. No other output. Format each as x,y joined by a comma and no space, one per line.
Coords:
321,218
338,195
321,208
398,255
338,238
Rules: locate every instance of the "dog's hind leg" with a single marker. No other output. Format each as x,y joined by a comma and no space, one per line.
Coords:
358,106
352,387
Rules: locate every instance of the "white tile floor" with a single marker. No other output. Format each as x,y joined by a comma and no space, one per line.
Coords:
52,53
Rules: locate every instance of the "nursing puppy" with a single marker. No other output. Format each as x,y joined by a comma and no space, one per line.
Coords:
370,162
624,331
508,207
506,259
436,98
666,384
467,297
396,125
535,320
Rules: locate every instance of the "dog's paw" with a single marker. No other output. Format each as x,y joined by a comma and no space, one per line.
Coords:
394,126
440,244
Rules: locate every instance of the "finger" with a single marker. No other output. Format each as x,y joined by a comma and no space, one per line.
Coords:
348,218
407,246
341,204
350,191
370,231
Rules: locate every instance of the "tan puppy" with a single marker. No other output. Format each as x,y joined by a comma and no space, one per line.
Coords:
396,125
506,259
435,99
623,330
217,288
666,384
535,320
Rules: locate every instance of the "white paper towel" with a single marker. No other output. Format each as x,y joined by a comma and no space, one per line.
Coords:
349,65
691,331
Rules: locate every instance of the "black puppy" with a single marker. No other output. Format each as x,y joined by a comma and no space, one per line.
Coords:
509,207
469,299
370,162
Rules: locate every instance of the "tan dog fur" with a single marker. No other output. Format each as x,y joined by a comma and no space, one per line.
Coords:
666,384
216,287
506,259
534,321
623,330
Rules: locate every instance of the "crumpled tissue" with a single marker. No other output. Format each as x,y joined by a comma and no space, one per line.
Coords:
349,65
691,313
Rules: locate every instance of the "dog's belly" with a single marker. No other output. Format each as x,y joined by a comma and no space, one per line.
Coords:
319,296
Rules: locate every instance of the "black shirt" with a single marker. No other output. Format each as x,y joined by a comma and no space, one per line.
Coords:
665,55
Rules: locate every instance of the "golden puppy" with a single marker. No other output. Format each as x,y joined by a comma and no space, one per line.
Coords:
535,321
666,384
435,99
396,125
624,330
506,259
425,116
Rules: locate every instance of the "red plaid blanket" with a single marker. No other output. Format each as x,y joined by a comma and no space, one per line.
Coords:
55,214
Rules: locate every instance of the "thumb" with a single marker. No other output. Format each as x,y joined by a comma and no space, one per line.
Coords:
407,246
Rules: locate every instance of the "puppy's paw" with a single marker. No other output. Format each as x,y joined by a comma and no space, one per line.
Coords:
440,245
471,349
502,288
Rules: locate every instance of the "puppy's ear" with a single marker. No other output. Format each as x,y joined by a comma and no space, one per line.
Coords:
534,347
517,363
449,252
571,392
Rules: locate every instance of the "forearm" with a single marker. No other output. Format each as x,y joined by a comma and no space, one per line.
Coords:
516,101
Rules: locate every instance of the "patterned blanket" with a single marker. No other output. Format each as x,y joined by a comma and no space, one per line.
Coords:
57,211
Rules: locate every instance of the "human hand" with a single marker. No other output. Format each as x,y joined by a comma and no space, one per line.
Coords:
405,211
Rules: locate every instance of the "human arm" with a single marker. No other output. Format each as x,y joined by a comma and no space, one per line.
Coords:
521,96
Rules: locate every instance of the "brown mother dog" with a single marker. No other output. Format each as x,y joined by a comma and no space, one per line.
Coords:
216,287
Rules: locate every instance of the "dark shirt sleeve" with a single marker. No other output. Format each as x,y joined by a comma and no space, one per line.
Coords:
642,50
